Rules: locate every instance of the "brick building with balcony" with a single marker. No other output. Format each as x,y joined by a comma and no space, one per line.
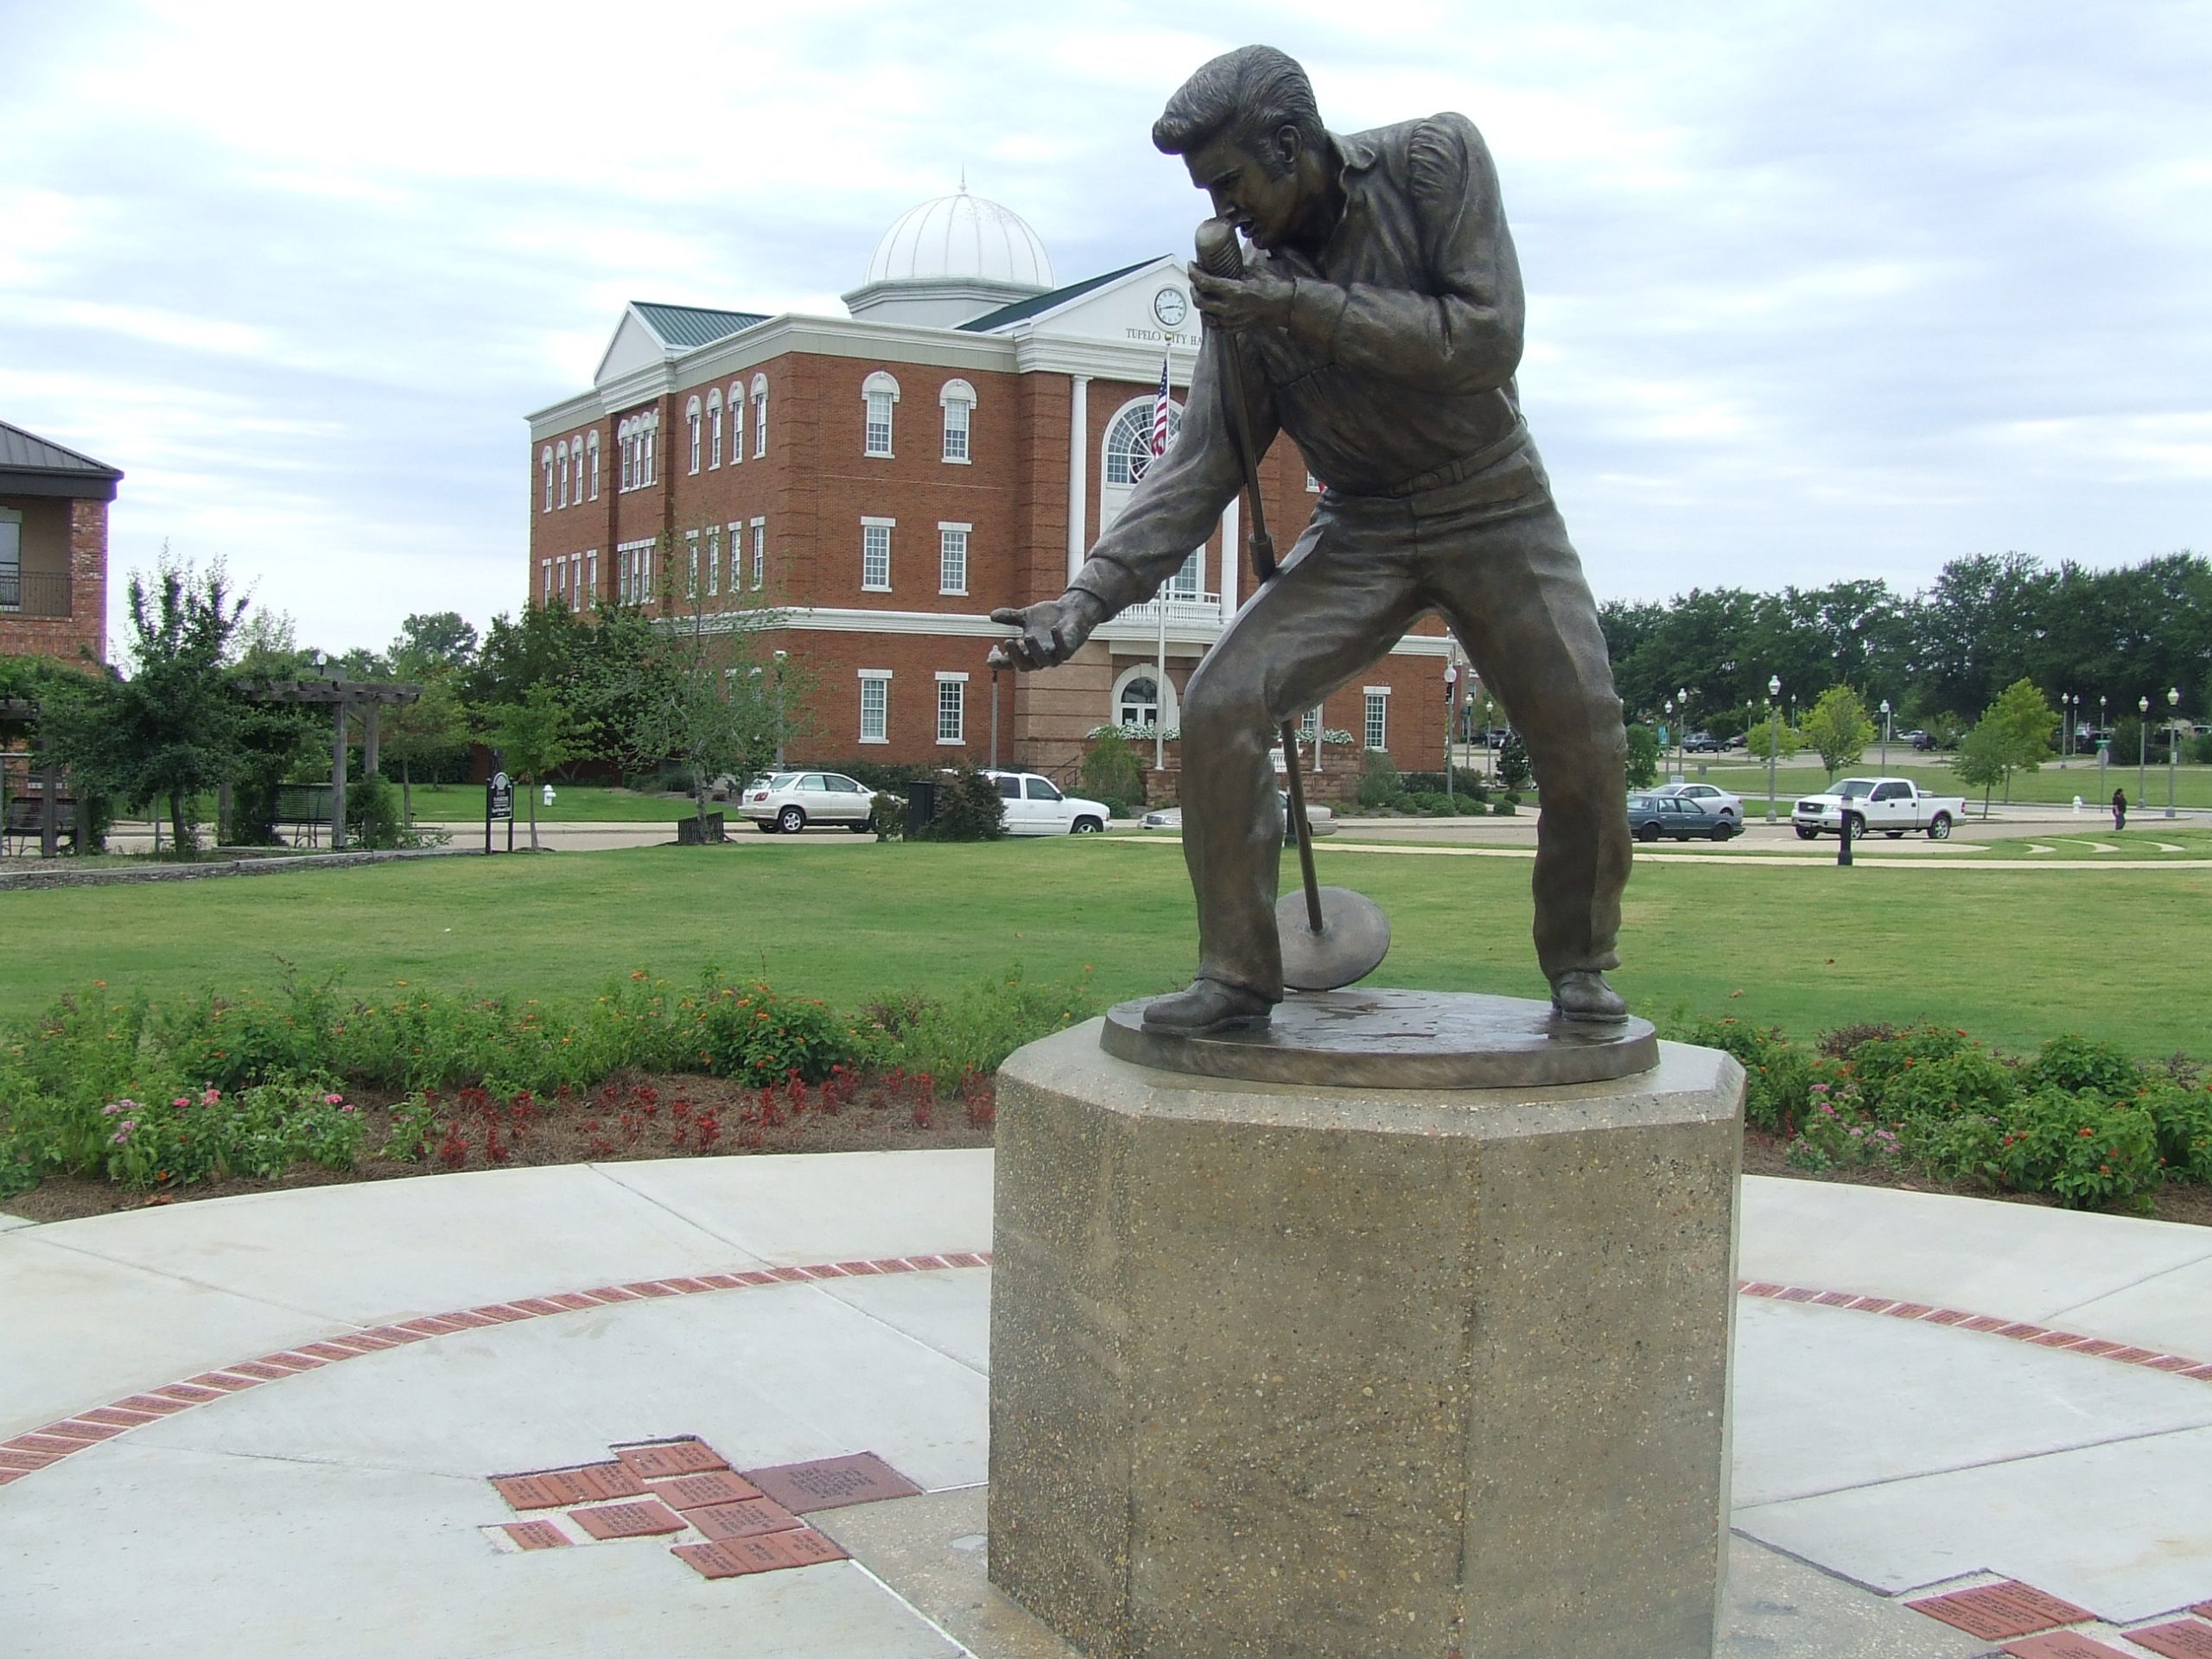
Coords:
886,479
52,549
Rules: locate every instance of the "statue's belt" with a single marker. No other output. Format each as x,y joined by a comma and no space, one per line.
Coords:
1452,472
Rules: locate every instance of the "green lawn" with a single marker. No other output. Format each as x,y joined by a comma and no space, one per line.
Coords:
2012,955
572,803
2054,784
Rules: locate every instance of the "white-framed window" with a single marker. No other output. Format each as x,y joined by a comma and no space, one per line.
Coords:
691,581
759,414
651,431
875,705
1190,580
545,459
1312,485
736,554
560,577
625,436
736,422
951,707
1378,717
714,429
693,419
634,572
714,560
545,581
1309,723
1128,452
879,392
875,553
952,557
561,473
1137,703
958,400
591,454
591,573
760,554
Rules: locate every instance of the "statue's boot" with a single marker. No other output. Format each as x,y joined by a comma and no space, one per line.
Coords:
1582,993
1209,1005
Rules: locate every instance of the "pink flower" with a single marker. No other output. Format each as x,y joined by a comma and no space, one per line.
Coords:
348,1108
113,1106
181,1101
333,1100
123,1134
211,1097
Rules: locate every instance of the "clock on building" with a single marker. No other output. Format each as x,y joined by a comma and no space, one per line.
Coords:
1170,307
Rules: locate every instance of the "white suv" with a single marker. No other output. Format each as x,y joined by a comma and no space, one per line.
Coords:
789,801
1035,807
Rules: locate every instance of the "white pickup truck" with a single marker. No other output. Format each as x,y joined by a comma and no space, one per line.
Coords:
1887,806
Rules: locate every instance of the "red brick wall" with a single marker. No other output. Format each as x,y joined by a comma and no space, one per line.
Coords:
59,534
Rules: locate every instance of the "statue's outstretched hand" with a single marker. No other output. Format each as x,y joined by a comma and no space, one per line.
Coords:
1051,632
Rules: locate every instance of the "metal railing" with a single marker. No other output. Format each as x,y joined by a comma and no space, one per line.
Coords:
1184,610
34,593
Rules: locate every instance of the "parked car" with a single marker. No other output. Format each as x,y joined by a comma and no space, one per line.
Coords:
1700,743
1651,816
1920,740
784,803
1719,802
1319,820
1892,805
1035,807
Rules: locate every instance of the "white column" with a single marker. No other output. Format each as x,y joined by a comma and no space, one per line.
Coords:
1078,471
1232,556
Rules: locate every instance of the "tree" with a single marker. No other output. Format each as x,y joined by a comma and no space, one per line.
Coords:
705,699
533,736
431,730
440,638
1643,756
1981,761
1779,736
1112,771
171,731
1838,728
2013,735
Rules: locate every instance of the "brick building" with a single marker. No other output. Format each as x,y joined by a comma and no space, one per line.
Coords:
52,549
889,478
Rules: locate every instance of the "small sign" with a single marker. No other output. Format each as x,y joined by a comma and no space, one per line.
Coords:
499,797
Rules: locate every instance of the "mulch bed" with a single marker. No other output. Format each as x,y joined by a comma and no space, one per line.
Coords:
630,1117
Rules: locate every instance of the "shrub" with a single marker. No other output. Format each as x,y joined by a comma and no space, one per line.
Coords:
1879,1061
975,1029
2074,1062
1503,807
2180,1115
373,814
759,1036
2085,1150
1112,772
888,814
1513,769
1378,779
1778,1076
969,808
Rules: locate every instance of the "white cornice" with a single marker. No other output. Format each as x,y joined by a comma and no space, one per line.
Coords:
969,625
556,419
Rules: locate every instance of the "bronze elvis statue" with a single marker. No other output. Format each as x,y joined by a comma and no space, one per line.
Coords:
1380,327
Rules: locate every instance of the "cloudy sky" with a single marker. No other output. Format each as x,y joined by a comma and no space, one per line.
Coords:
1816,291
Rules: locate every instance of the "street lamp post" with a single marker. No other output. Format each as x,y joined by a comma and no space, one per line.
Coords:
1773,737
1681,745
1670,726
2173,743
780,656
2142,746
1885,734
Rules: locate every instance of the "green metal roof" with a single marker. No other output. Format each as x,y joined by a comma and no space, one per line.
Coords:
688,326
1041,303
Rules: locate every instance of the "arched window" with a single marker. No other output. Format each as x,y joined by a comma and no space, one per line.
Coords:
545,459
1137,700
591,456
1128,452
736,422
958,400
622,442
759,414
561,473
691,420
646,444
715,429
880,393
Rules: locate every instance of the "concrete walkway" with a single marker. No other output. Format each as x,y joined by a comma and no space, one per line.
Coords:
268,1423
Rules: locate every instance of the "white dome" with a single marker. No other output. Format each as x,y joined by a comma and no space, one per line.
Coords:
961,237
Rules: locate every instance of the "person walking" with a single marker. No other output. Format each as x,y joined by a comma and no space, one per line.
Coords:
2119,811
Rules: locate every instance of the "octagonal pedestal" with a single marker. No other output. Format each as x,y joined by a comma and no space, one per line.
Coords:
1311,1372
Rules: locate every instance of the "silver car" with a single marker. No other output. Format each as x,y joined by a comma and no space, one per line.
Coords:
1319,820
786,802
1719,802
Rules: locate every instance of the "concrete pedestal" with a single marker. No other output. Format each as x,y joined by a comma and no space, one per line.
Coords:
1321,1372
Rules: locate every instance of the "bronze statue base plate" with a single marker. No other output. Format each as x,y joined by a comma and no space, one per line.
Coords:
1396,1039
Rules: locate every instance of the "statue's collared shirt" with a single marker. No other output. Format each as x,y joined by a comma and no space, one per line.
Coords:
1398,360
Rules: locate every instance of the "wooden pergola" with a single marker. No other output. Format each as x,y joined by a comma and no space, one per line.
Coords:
341,695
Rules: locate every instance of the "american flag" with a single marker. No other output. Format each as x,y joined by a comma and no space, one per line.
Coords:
1160,411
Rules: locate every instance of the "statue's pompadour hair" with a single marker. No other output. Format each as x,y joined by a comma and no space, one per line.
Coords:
1246,96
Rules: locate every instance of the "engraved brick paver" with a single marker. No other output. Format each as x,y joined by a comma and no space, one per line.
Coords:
25,1463
2183,1638
209,1385
644,1519
832,1483
538,1535
768,1554
73,1428
1999,1611
664,1459
696,1491
119,1416
52,1445
726,1522
2062,1644
542,1491
597,1481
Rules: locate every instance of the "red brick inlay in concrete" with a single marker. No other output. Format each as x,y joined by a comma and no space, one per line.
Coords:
766,1553
25,1463
646,1518
664,1459
2202,1610
725,1522
538,1535
71,1428
832,1483
1998,1610
2184,1638
537,1492
2062,1644
696,1491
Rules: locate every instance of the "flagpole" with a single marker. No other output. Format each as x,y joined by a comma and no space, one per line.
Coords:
1160,703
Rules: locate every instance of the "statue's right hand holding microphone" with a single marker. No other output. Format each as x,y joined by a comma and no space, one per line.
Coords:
1051,631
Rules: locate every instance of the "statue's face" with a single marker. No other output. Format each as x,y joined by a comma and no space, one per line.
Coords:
1264,205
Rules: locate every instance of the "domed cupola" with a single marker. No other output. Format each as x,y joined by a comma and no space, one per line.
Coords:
948,260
